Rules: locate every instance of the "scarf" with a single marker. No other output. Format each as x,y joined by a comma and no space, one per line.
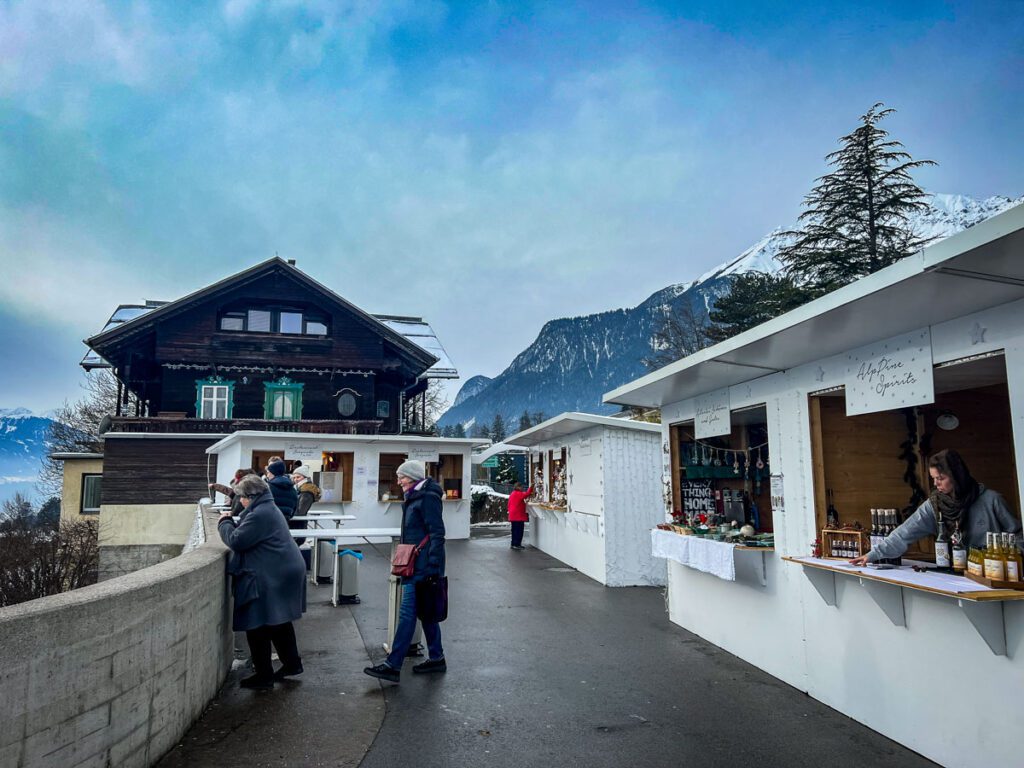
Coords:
951,509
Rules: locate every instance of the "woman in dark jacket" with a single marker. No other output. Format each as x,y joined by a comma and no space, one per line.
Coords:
421,517
229,491
268,582
285,495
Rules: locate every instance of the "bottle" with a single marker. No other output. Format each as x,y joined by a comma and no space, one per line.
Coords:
975,562
959,553
995,566
831,515
1013,558
943,555
874,528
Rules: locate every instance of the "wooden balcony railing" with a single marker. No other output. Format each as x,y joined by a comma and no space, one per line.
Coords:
170,426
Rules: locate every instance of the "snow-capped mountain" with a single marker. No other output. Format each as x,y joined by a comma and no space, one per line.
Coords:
22,448
575,360
471,388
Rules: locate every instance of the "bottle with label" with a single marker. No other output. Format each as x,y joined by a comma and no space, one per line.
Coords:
975,562
943,553
995,566
875,537
959,551
1013,558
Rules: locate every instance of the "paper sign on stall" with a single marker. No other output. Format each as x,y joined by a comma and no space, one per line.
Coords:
426,455
711,418
891,374
302,451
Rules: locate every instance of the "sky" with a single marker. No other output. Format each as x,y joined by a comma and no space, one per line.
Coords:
489,166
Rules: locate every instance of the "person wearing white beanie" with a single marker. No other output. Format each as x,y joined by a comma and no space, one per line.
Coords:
412,469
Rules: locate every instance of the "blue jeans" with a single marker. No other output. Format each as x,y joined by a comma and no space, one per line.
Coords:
407,626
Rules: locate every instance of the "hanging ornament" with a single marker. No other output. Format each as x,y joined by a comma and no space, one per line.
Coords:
760,463
718,458
736,463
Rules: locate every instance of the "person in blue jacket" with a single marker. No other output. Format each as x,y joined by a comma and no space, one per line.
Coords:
421,517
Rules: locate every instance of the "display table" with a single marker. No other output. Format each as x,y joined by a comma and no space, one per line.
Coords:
982,605
715,557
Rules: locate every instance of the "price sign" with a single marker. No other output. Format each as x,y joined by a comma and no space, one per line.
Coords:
712,415
895,373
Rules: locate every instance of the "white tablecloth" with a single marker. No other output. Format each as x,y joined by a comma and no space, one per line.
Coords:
714,557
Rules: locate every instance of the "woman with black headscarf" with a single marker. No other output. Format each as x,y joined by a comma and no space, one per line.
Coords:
958,502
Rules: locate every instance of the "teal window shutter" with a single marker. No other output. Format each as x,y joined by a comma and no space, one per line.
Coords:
282,399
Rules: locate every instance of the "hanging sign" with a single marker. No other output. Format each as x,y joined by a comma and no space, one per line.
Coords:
490,462
423,454
696,496
891,374
301,451
712,415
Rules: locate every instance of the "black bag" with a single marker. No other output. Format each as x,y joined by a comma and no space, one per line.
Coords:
432,600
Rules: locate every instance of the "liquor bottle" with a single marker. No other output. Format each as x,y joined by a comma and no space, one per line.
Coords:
959,553
832,515
1013,558
943,555
995,566
874,528
975,562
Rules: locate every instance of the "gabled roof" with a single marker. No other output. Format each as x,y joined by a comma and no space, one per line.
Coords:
976,269
418,331
571,422
144,320
122,314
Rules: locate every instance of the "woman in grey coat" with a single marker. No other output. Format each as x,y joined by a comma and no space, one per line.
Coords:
268,582
959,503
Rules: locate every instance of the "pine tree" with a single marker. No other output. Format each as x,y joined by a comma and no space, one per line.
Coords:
538,417
458,430
524,422
857,218
754,298
506,472
498,428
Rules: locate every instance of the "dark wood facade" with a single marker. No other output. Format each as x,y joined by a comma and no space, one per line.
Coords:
162,356
156,471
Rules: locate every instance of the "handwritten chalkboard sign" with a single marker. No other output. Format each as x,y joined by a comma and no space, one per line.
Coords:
696,496
711,417
895,373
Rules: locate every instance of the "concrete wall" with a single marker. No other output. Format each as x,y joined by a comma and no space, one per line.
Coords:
115,673
71,487
138,536
897,680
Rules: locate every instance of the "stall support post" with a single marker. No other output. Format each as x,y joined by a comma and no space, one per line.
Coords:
987,619
889,598
824,582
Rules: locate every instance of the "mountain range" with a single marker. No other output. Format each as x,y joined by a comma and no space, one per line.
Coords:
22,448
575,360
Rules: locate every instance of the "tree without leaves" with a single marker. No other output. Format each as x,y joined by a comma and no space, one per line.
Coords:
754,298
857,218
677,335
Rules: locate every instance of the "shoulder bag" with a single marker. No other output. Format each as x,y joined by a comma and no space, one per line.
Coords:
403,562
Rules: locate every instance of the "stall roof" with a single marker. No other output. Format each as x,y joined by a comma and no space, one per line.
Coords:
568,423
976,269
418,331
276,437
494,450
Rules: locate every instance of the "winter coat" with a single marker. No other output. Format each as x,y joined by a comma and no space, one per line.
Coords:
268,574
988,513
285,495
421,515
309,495
517,505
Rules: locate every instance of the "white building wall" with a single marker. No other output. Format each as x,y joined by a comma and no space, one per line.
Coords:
909,683
633,506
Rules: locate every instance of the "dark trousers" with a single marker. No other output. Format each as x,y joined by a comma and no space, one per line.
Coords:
518,526
283,638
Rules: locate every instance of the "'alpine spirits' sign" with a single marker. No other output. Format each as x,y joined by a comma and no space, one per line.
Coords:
896,373
712,415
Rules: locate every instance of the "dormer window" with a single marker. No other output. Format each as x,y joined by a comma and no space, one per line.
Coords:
294,322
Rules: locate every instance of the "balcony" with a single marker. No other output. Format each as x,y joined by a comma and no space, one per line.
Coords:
170,425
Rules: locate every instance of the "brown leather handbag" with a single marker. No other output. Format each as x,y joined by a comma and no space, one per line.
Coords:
403,562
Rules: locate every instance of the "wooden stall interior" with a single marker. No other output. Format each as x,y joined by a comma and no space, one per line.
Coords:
447,471
260,459
387,480
537,476
729,474
343,462
879,460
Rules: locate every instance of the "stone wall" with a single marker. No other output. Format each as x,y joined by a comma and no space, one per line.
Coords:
115,673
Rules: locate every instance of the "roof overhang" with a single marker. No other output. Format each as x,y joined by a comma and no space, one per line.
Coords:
570,423
974,270
75,456
275,438
496,450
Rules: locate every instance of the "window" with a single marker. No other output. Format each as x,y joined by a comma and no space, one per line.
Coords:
387,480
259,320
290,322
213,398
233,321
91,494
347,404
383,409
283,399
271,320
316,328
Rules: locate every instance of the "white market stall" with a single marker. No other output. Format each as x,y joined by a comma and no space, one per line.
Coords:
356,473
597,493
848,429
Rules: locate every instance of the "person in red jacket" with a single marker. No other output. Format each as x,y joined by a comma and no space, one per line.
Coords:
517,513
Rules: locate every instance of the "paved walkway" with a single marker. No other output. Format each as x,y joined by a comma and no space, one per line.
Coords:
546,667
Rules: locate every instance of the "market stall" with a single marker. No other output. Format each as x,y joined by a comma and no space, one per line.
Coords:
857,390
596,494
356,473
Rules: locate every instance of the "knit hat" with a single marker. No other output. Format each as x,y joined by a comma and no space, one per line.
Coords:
276,468
412,469
303,470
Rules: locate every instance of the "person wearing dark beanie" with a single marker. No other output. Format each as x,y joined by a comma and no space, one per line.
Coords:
285,495
277,468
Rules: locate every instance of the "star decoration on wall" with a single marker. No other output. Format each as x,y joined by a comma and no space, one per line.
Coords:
978,334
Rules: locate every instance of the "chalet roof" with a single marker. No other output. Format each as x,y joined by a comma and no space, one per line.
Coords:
973,270
572,422
132,318
418,331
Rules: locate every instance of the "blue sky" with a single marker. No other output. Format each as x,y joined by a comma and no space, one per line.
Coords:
489,166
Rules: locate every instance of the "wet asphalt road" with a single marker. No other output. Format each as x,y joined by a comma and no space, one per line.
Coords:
548,667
